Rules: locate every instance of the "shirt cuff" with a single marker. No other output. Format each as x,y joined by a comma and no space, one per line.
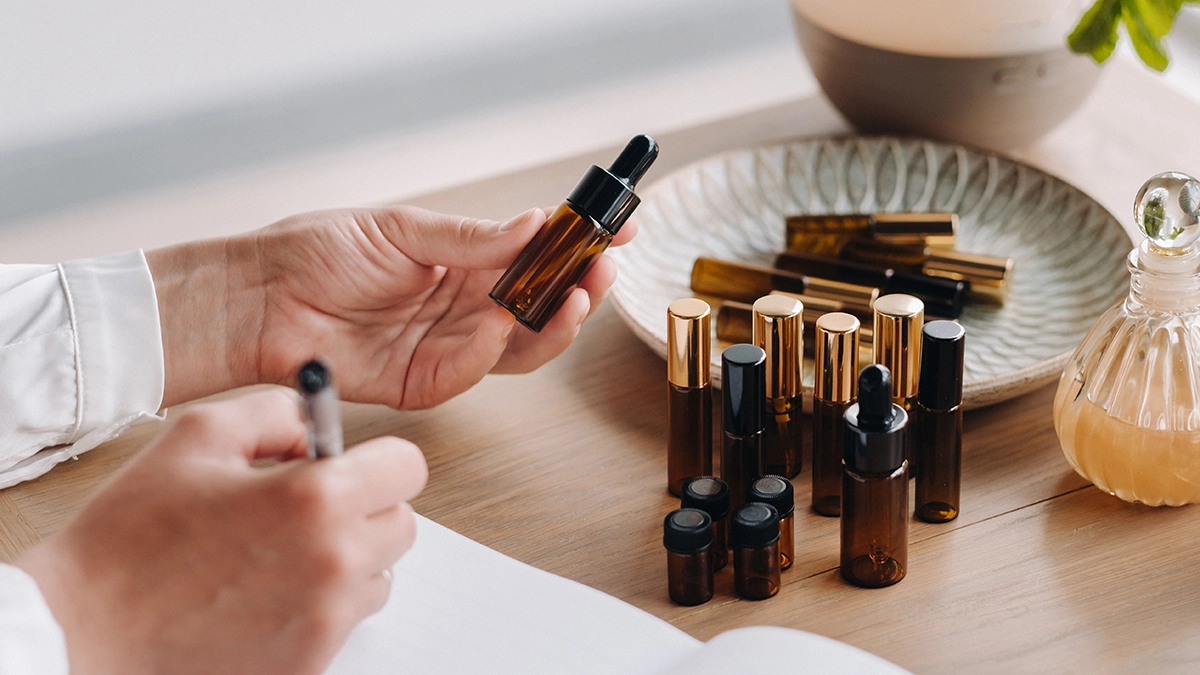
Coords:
31,641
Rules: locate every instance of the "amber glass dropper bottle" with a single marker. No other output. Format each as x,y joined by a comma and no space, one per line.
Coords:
579,230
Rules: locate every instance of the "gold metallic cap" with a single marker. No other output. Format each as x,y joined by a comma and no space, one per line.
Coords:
689,343
898,322
988,275
779,331
907,229
851,294
836,377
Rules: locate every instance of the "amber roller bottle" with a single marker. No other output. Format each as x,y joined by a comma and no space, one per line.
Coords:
898,322
689,395
779,331
742,385
875,485
937,421
828,234
551,265
835,387
746,283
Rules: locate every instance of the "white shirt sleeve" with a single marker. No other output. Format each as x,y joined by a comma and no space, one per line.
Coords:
31,642
81,358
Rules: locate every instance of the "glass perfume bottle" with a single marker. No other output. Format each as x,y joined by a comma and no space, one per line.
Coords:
579,230
1127,410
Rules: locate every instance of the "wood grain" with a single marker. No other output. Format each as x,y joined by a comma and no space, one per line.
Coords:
565,469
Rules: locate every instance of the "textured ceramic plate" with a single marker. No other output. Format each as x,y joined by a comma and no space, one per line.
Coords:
1069,253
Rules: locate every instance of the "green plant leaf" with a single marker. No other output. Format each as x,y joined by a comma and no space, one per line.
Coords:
1158,15
1145,42
1096,33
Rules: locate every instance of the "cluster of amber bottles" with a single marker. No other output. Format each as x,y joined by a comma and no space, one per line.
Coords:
871,430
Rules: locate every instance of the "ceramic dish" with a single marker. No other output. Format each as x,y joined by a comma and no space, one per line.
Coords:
1069,253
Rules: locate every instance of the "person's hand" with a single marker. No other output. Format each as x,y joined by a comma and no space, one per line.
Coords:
192,561
396,299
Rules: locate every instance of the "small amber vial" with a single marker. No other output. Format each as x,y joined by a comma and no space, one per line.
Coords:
688,537
754,532
875,485
711,495
937,421
580,229
777,491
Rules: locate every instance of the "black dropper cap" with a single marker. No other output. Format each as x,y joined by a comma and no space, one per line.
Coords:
774,490
707,493
313,377
687,531
606,195
743,386
875,427
754,525
942,347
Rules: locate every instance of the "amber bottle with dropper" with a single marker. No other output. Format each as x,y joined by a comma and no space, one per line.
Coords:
779,331
835,387
937,421
689,395
742,374
898,322
711,495
875,485
579,230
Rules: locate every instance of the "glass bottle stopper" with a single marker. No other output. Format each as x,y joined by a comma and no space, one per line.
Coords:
1167,211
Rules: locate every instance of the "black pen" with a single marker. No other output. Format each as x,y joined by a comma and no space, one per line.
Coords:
325,417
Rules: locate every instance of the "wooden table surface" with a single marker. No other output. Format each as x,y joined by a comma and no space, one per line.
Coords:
565,468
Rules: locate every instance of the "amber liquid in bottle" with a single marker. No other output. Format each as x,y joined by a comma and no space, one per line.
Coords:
744,283
690,577
829,438
875,527
938,436
561,253
756,571
741,464
782,437
689,439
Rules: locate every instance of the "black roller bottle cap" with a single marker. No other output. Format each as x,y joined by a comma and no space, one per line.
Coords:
707,493
687,531
606,195
774,490
875,427
754,525
743,387
942,347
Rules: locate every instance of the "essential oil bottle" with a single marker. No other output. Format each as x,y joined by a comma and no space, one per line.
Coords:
942,297
551,265
747,283
828,234
875,485
777,491
754,532
986,276
688,538
779,331
689,396
711,495
742,374
898,321
735,320
835,388
937,421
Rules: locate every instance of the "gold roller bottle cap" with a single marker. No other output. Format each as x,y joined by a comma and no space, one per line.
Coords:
909,229
689,343
898,321
988,275
779,331
851,294
836,356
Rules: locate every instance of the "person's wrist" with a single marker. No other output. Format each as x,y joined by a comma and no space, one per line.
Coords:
210,301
